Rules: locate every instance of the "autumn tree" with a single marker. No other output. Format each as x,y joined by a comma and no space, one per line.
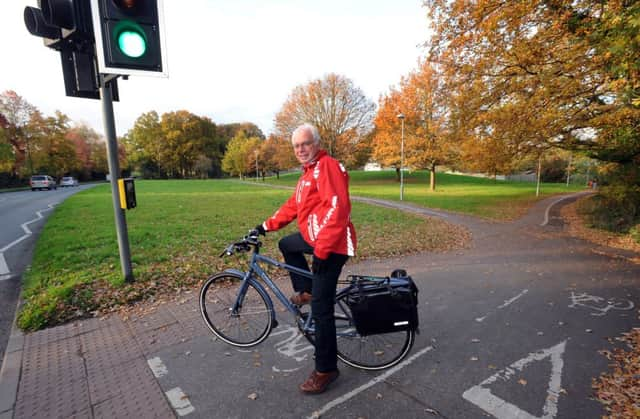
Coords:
7,154
90,151
178,144
51,150
544,74
426,142
277,155
143,143
530,73
239,158
339,109
16,112
227,131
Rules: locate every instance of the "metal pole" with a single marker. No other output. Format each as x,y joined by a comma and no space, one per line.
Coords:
402,161
114,170
539,170
588,173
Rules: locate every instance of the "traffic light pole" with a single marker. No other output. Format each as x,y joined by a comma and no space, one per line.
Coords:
114,170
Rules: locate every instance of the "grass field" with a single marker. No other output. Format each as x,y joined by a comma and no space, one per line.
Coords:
176,234
498,200
180,227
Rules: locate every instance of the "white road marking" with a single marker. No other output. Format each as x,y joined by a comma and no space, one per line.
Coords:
335,402
276,369
295,346
546,212
507,302
180,402
482,397
599,304
4,269
157,367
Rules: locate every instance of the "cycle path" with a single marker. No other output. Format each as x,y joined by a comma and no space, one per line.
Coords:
510,327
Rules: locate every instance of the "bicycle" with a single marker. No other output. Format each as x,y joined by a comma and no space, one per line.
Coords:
237,309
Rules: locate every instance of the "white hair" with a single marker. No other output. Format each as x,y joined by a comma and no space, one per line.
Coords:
311,129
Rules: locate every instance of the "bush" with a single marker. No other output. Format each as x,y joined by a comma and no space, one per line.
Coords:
615,208
634,232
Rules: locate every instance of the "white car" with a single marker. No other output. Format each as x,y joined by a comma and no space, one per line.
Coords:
68,181
42,182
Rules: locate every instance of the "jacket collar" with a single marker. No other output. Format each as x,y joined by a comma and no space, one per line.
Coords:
321,153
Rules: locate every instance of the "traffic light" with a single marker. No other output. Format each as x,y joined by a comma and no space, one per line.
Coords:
129,37
66,26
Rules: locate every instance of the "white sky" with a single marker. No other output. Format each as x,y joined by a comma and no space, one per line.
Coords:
232,60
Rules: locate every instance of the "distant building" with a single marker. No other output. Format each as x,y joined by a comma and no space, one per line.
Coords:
372,167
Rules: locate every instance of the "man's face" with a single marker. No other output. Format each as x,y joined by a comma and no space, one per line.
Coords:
304,146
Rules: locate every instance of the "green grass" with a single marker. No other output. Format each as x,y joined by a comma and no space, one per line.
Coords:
180,227
499,200
176,234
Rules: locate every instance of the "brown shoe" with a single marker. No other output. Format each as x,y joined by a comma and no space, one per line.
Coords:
318,382
300,298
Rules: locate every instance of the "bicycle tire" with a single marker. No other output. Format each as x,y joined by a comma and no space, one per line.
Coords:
254,321
371,353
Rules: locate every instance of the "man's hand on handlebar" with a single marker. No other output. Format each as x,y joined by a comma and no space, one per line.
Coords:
258,230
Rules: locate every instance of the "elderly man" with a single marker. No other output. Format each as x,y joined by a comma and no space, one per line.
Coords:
322,207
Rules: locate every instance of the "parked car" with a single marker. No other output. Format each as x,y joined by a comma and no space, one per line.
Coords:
42,182
68,181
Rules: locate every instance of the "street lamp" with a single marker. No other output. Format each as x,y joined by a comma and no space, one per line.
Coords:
401,118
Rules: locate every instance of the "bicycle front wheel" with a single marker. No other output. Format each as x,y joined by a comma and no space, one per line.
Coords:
373,352
239,320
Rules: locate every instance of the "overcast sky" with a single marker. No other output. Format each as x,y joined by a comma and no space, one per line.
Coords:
232,60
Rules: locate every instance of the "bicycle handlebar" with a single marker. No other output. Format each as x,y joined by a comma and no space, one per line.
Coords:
244,245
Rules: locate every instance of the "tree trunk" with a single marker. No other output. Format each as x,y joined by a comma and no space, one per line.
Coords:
432,177
277,174
398,174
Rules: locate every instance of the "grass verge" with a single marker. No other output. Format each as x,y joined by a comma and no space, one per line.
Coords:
497,200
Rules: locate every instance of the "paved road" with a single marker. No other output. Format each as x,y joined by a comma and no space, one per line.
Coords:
22,214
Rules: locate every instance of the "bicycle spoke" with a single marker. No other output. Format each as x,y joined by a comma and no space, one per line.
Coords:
250,324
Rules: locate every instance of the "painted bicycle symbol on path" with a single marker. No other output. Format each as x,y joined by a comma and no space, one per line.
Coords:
600,305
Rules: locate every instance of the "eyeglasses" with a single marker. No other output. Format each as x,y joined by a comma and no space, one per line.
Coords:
304,144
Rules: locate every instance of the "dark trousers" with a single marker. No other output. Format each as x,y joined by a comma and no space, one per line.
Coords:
323,291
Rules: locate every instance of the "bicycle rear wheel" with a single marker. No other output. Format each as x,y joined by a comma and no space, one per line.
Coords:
373,352
250,324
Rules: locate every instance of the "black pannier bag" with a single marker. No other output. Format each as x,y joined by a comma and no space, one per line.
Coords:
383,304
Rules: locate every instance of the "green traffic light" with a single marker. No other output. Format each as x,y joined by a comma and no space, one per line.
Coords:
132,43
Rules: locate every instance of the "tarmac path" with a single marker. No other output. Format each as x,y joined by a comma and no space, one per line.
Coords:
510,327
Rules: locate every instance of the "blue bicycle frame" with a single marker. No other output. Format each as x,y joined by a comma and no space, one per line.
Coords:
256,269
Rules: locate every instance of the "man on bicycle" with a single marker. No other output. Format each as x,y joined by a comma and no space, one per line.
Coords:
322,207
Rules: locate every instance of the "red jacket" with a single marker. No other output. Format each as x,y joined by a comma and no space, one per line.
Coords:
322,206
